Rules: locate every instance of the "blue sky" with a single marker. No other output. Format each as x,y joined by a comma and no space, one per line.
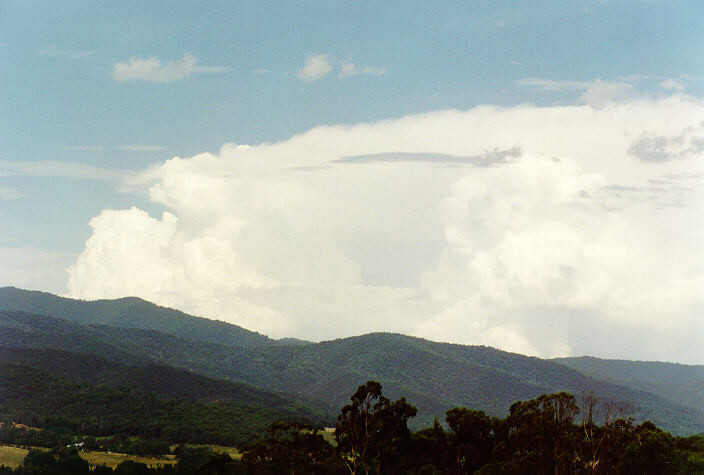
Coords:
97,97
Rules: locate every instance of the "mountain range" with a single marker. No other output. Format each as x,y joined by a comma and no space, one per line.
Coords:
132,343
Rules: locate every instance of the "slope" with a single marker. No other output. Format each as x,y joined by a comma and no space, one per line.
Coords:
47,401
438,376
682,384
432,376
130,312
161,380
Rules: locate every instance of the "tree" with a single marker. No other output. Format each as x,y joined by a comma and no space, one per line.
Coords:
650,452
372,432
602,446
471,439
290,448
540,435
430,450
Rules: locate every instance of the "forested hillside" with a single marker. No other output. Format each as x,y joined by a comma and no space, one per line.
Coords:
435,376
130,312
682,384
162,381
40,399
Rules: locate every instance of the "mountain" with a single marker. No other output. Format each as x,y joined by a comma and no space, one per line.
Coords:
48,401
163,381
681,384
127,346
432,376
437,376
130,312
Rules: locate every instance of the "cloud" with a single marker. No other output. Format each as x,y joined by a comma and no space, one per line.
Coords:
553,85
317,66
9,193
488,158
85,148
652,148
151,69
599,93
596,93
129,148
349,69
54,52
564,244
142,148
672,85
32,267
56,168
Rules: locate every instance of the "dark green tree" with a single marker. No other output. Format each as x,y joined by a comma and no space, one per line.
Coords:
471,439
539,436
130,467
290,448
650,452
372,432
430,450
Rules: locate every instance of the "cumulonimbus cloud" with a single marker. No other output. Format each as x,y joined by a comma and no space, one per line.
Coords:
568,244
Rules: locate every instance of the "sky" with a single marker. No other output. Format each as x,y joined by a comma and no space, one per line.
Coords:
523,175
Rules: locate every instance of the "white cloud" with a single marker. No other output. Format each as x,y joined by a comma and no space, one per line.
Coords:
85,148
599,93
59,168
349,69
317,66
596,93
10,193
151,69
142,148
548,253
651,147
553,85
672,85
31,267
54,52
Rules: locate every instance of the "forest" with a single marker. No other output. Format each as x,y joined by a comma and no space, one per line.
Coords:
77,391
551,434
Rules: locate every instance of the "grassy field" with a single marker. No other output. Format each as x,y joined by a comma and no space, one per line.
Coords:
329,435
12,456
112,460
231,451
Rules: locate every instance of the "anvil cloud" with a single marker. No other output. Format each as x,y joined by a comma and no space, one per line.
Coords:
541,230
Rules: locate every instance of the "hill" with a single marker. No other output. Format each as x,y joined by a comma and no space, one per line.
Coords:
47,401
130,312
432,376
682,384
438,376
126,346
160,380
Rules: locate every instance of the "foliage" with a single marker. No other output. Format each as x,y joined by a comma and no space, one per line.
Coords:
436,376
291,448
130,312
372,431
63,407
678,383
539,436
